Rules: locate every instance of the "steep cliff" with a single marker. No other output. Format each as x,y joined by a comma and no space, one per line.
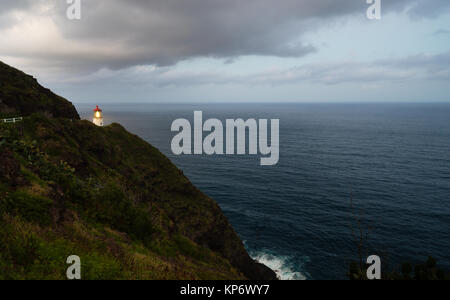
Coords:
21,94
68,187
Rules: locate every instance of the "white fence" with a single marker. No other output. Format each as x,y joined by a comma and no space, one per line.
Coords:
13,120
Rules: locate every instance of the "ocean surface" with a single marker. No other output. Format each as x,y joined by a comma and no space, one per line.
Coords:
393,160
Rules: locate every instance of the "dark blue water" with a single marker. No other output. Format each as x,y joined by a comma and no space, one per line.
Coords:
393,159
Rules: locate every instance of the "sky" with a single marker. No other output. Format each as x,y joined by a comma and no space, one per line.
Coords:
173,51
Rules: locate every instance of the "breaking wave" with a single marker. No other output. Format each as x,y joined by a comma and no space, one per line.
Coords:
280,265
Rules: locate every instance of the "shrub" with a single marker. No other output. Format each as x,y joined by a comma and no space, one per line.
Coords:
30,207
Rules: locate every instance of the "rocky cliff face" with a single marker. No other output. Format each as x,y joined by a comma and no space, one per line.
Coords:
21,94
105,195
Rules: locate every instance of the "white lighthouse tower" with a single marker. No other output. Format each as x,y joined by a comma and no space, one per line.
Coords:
98,117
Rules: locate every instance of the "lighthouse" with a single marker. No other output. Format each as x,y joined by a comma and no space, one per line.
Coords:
98,117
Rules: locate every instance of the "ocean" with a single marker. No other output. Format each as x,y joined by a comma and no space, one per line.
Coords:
392,161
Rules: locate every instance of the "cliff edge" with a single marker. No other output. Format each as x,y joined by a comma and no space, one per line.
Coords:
22,94
68,187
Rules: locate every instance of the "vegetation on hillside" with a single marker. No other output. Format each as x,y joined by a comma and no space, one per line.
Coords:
50,209
22,95
68,187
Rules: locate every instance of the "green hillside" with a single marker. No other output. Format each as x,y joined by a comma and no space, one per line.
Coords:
22,94
68,187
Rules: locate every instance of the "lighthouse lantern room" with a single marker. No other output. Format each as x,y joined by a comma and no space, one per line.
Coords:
98,117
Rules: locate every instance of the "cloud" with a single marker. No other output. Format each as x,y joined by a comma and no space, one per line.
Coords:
429,9
117,34
388,71
441,32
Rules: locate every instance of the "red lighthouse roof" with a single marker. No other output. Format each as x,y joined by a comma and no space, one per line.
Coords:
97,109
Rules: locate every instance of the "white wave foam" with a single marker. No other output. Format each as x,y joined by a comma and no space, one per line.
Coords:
280,265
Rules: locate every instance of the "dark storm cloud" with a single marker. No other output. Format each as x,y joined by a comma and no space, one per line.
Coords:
117,34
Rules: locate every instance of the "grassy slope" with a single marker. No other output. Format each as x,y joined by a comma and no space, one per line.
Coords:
101,193
21,94
68,187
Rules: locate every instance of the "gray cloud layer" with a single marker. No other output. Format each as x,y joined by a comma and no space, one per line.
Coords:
418,67
118,34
